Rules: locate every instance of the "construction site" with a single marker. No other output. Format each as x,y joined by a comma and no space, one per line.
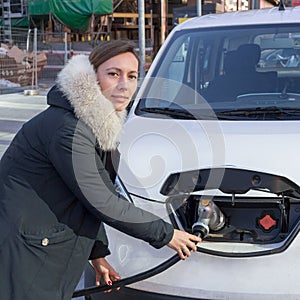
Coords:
39,36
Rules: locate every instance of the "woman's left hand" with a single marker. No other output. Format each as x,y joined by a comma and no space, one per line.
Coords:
105,270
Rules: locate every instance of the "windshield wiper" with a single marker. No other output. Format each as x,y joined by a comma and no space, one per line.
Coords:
181,113
184,114
261,111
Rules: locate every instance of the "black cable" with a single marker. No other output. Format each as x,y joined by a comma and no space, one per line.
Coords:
129,280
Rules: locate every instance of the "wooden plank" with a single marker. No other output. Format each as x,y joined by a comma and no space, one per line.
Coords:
132,15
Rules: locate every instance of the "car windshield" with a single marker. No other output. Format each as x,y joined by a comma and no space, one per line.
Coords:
232,73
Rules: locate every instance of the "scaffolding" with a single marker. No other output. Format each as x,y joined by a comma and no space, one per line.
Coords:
6,26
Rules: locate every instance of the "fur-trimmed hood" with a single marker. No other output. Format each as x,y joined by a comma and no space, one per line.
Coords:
78,82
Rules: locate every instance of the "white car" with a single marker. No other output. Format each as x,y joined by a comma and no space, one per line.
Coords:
212,145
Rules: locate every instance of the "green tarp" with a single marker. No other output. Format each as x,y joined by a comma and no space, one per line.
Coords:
19,22
22,22
38,7
75,14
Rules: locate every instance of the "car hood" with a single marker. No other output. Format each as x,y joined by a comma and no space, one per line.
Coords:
152,149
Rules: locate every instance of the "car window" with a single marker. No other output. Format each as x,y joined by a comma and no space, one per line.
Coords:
232,68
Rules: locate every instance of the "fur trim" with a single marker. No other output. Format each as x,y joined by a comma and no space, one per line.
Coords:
78,82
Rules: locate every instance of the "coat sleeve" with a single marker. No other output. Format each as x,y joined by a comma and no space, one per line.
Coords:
100,248
72,152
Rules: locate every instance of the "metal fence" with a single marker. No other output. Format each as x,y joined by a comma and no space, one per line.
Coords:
31,60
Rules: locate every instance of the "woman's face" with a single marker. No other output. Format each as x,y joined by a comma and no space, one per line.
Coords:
117,78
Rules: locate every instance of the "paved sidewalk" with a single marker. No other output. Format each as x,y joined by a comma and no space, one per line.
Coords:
15,109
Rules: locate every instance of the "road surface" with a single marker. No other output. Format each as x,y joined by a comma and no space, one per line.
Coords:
15,109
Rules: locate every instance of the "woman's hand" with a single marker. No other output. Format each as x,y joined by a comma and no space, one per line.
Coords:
105,270
183,243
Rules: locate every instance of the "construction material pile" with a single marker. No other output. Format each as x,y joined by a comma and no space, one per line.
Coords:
17,67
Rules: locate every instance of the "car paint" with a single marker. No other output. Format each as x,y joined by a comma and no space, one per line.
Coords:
152,149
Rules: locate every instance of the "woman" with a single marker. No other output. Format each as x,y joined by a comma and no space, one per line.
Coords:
55,190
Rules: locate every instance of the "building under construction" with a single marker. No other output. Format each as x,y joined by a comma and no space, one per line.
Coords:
41,35
94,20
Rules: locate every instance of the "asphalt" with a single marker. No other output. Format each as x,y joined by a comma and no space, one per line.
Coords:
15,109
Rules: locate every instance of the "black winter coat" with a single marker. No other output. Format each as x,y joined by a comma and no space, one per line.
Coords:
55,193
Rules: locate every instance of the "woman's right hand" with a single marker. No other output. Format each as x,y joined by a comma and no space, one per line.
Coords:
105,270
183,243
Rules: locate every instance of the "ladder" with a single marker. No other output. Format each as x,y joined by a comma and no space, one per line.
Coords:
6,22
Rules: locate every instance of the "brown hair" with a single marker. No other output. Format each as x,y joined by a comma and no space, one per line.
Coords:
108,49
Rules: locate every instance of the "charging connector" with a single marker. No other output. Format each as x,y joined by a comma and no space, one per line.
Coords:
210,217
